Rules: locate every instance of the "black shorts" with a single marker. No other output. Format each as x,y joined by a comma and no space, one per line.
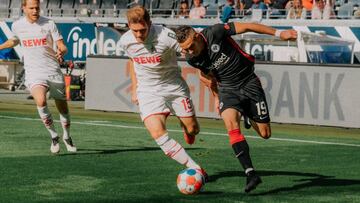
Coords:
248,99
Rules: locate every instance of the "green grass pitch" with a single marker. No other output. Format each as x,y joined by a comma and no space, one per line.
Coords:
118,161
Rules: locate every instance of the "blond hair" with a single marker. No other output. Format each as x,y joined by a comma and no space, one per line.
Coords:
23,2
138,14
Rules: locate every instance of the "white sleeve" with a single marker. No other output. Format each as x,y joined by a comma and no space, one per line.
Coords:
55,32
123,46
172,42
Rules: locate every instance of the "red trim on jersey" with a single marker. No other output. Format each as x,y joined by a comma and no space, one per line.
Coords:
202,35
39,84
237,47
235,136
160,113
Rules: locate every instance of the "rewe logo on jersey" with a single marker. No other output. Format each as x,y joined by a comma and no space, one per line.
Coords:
34,42
147,59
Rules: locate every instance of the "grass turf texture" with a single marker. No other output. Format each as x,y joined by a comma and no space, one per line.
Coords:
121,164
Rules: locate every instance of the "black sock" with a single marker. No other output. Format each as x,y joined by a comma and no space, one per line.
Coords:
241,150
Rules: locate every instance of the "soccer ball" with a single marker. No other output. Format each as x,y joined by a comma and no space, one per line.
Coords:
190,181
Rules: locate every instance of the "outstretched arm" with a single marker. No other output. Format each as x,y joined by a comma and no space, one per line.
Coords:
263,29
10,43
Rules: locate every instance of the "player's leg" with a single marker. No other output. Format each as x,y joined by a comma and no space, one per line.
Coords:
263,129
257,109
182,106
38,92
238,142
57,91
155,124
190,127
63,109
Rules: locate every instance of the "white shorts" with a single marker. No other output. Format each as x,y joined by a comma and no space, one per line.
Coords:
55,84
177,103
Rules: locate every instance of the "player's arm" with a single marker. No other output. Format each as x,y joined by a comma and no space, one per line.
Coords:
210,82
10,43
133,78
263,29
61,50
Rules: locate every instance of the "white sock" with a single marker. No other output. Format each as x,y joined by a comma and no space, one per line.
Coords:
65,123
46,117
175,151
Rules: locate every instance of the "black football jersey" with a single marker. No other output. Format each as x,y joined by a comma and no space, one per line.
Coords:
223,57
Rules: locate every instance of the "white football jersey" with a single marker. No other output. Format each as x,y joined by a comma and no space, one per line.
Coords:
155,60
37,42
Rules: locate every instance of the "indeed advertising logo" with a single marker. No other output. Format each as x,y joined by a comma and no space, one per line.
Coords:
79,44
81,40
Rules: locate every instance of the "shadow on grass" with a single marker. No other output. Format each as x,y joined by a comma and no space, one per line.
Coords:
115,151
309,180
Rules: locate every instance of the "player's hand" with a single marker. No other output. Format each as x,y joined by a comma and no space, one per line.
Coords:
134,98
288,35
60,56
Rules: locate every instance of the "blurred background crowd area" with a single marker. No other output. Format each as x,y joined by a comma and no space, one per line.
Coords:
194,9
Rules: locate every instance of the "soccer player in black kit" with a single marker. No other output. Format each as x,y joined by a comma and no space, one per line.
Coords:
229,72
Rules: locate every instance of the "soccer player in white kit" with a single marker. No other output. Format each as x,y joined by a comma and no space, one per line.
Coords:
158,87
37,36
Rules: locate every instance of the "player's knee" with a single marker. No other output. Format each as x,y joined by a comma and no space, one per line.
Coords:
41,102
193,130
265,134
232,125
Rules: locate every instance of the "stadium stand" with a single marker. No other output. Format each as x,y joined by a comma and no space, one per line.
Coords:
15,9
94,8
121,6
212,8
81,8
109,8
164,8
346,10
4,9
67,7
54,8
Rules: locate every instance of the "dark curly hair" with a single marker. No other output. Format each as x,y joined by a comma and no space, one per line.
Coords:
183,32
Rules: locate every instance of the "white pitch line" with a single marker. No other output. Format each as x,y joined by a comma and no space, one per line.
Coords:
204,133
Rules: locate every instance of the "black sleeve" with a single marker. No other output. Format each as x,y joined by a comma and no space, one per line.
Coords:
223,30
204,70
